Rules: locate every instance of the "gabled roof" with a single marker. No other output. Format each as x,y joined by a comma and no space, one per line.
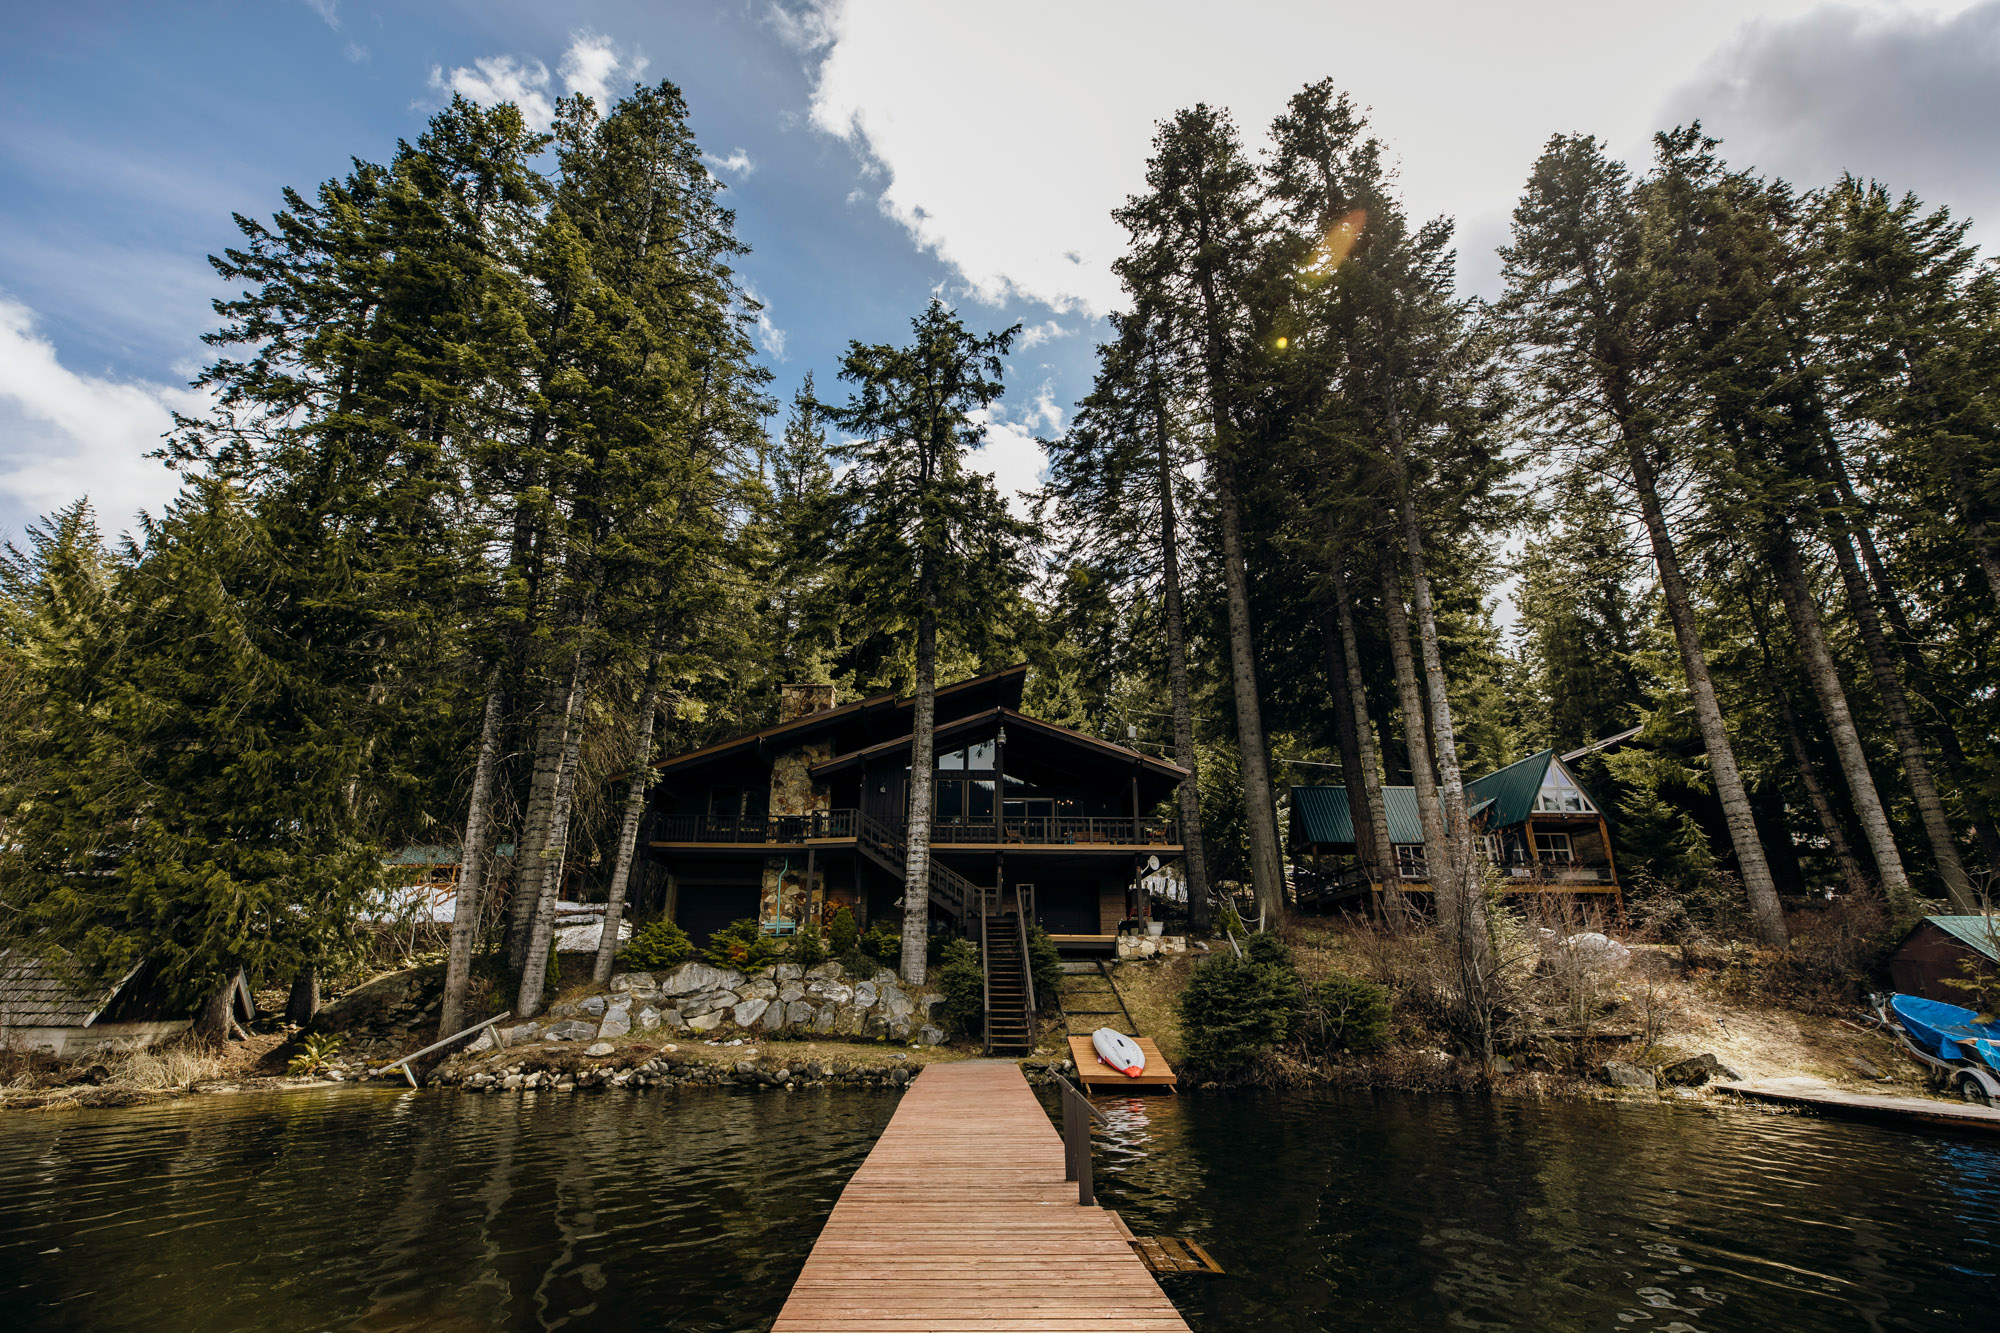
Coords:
1322,815
1980,933
1512,789
1006,684
35,993
973,721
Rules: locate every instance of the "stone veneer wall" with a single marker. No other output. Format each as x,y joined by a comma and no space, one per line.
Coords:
793,792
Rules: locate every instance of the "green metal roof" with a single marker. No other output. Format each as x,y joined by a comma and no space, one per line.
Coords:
1980,932
1321,815
1512,789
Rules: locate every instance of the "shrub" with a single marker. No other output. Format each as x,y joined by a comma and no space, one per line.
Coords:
1342,1013
963,983
315,1049
884,943
843,937
657,944
1045,966
742,945
806,950
1234,1009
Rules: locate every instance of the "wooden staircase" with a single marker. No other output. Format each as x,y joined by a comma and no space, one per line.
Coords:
1009,1016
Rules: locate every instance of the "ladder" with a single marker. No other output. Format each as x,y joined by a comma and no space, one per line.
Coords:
1093,1003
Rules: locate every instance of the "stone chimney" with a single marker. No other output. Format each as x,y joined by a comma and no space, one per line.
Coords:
799,700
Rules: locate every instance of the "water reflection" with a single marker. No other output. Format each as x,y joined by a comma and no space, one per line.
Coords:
372,1210
1385,1212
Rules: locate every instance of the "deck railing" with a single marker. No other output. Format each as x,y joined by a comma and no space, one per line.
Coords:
1057,830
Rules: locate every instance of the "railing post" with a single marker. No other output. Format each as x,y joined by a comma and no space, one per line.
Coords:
1077,1115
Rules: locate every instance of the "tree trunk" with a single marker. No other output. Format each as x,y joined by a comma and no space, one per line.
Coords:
211,1021
1383,871
1976,528
1889,685
303,1003
1340,691
534,973
628,831
1789,574
1851,872
1193,860
1467,914
1267,872
1942,729
1750,860
472,862
1437,851
917,838
544,776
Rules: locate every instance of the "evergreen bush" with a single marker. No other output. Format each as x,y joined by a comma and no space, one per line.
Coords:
843,937
807,950
742,945
1234,1009
962,980
657,944
1045,966
884,943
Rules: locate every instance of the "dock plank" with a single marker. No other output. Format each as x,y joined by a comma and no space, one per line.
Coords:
1812,1095
960,1222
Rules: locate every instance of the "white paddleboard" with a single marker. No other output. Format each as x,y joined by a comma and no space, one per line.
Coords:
1119,1051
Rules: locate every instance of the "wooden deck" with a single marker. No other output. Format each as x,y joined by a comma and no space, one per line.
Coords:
1097,1076
1910,1112
960,1222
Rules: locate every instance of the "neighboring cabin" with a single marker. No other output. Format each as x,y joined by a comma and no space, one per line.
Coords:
788,824
43,1008
1535,825
1941,949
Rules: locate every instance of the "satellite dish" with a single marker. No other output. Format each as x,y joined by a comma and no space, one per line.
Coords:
1152,863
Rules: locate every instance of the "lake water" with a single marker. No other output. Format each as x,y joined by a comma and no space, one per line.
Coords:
693,1210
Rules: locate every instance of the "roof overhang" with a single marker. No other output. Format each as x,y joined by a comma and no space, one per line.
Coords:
973,723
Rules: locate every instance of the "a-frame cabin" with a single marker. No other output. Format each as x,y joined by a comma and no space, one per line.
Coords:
1536,827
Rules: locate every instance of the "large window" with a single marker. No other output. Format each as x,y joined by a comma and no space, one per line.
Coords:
1559,795
1554,847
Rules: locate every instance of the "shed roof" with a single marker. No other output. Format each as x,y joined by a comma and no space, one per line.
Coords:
1981,933
36,993
1321,815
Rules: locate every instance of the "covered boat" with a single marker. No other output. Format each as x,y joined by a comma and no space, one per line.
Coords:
1948,1031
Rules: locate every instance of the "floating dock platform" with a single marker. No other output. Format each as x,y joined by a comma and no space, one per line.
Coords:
1097,1076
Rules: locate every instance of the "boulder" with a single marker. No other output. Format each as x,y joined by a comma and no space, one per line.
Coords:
599,1048
694,978
847,1020
883,977
896,1004
1697,1070
823,1021
790,991
708,1022
570,1029
672,1020
773,1017
617,1021
521,1032
799,1014
593,1005
866,994
833,992
824,972
565,1009
1599,947
784,972
630,981
900,1028
928,1035
760,988
648,1019
1621,1075
1865,1068
702,1004
749,1012
483,1042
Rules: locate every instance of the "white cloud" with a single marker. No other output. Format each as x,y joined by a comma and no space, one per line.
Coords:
1043,410
1034,335
737,163
594,66
328,10
1004,151
769,336
492,80
65,434
1012,457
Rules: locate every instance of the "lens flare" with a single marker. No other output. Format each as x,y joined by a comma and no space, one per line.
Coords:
1283,343
1339,241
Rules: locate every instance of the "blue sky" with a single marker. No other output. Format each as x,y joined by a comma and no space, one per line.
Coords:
876,152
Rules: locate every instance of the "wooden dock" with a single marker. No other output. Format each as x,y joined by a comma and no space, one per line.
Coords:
1910,1112
960,1222
1096,1076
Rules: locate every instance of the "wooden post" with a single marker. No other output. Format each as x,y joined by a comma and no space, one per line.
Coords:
1135,803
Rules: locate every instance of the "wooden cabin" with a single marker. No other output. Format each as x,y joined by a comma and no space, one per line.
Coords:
789,823
1536,827
48,1006
1941,949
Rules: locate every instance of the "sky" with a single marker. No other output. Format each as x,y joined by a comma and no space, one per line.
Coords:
876,152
